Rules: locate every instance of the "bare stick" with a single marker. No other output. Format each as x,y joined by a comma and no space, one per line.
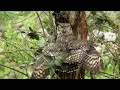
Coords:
14,69
41,24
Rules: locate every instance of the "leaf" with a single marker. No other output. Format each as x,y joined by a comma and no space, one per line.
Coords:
31,29
93,12
48,58
100,20
57,63
33,35
54,61
22,31
48,64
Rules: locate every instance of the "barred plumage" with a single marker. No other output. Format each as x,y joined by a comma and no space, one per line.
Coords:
93,61
67,71
51,50
39,72
75,56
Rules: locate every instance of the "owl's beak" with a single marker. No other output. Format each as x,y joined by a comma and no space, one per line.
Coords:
64,31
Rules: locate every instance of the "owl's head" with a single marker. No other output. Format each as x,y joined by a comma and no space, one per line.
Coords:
64,29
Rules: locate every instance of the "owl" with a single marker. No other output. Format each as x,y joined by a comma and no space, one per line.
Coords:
77,53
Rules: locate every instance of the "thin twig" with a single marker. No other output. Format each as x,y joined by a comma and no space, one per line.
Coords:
14,69
45,13
6,14
24,19
109,74
18,48
3,52
41,24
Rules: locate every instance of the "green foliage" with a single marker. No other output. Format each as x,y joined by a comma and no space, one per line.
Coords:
20,42
54,61
17,43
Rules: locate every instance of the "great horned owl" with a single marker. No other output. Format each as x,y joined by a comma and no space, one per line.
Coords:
64,42
78,54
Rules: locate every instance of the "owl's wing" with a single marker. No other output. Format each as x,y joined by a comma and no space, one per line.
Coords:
51,50
39,72
93,63
76,56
